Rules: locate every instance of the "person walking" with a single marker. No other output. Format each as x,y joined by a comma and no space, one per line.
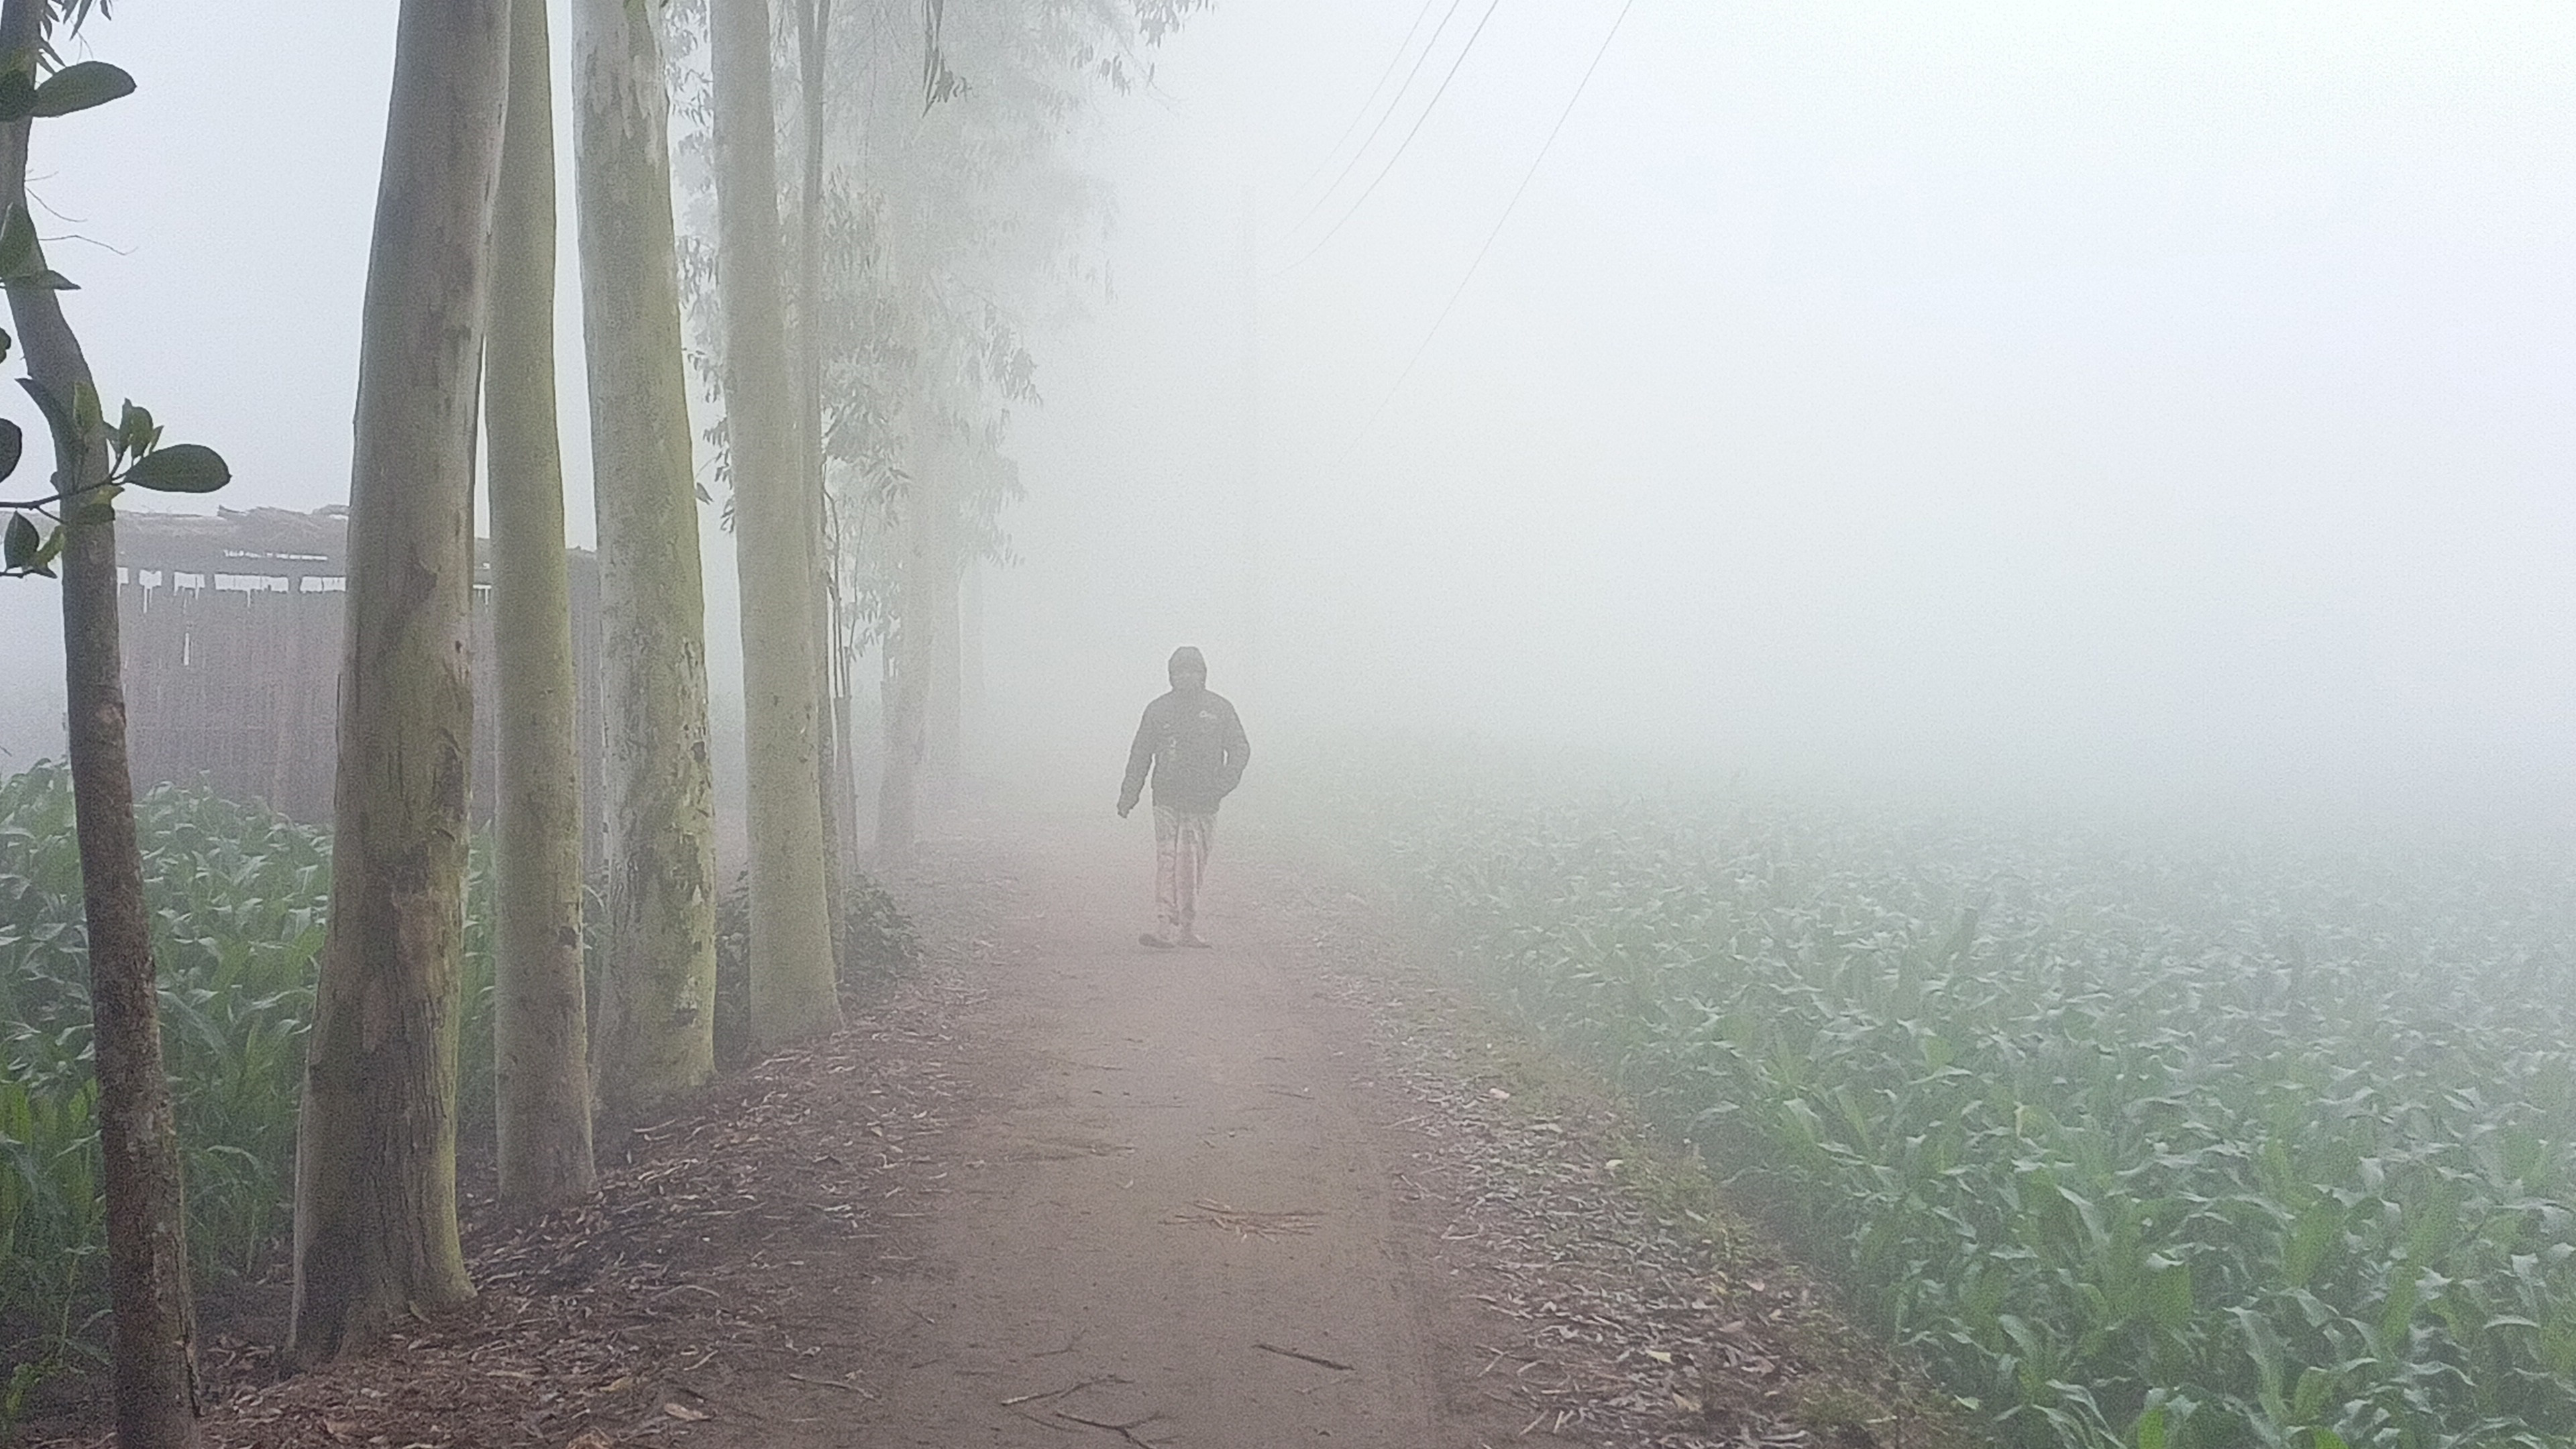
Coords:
1191,742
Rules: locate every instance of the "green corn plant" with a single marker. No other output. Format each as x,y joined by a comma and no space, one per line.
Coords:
2133,1148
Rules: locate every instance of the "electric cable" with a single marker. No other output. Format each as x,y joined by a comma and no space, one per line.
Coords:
1370,104
1394,103
1526,176
1401,147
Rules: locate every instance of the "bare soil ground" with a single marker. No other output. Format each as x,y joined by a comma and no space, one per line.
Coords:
1059,1189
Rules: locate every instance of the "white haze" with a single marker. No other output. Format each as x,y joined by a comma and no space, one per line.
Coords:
2079,401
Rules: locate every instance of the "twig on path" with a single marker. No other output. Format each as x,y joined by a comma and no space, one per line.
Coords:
1245,1222
832,1384
1018,1399
1126,1431
1313,1358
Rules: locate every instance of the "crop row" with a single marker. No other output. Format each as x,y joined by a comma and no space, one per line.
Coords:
239,899
2139,1148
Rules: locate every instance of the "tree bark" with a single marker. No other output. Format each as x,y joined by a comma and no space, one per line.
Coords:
153,1338
540,1039
971,704
840,802
944,751
845,730
777,551
913,656
656,1034
375,1199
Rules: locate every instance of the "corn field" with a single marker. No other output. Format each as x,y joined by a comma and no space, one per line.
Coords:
2214,1148
238,897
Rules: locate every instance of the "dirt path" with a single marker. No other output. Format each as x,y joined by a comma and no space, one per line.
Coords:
1170,1215
1058,1189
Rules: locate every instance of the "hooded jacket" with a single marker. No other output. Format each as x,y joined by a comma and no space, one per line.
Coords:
1193,745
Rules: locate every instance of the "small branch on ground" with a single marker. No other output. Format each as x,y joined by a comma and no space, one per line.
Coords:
1312,1358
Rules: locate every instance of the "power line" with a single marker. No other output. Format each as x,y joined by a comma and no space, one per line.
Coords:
1366,106
1401,147
1393,104
1544,146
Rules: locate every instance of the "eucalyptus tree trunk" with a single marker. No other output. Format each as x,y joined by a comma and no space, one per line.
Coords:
840,802
912,659
843,676
778,553
972,708
147,1246
540,1041
375,1168
656,1033
944,751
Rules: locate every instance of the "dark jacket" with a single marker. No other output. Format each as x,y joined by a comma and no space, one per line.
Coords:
1193,744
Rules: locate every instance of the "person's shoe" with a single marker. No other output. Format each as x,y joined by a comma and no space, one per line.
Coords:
1193,939
1159,943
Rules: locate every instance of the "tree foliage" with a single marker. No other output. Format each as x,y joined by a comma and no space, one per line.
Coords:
957,224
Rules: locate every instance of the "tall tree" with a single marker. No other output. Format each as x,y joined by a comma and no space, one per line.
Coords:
960,214
840,801
540,1041
778,553
656,1032
147,1248
912,652
375,1170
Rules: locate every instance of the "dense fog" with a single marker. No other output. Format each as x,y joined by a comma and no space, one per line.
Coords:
2072,401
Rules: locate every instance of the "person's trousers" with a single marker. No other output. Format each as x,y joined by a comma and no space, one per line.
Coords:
1181,840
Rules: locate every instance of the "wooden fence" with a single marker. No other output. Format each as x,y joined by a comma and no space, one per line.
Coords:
232,628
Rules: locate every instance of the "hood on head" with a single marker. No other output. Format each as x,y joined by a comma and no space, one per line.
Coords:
1187,660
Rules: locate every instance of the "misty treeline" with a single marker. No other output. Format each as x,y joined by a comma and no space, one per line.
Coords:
872,190
874,195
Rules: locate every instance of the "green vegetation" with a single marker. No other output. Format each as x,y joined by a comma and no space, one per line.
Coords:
237,912
236,900
238,896
877,942
2134,1149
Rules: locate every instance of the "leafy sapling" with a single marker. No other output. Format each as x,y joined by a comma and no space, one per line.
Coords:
136,459
33,537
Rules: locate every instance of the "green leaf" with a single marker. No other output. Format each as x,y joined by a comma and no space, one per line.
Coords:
2168,1293
13,445
49,279
180,468
2315,1386
80,86
134,430
19,551
2151,1429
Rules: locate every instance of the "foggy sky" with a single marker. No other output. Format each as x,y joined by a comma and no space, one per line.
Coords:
2076,399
